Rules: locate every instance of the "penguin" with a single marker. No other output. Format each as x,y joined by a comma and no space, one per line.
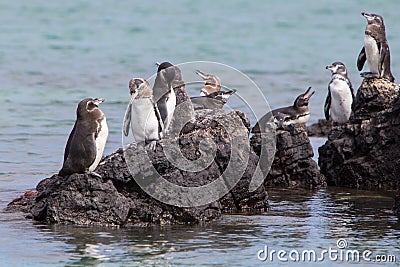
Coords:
86,142
214,100
211,96
375,50
296,114
212,83
142,115
338,103
164,93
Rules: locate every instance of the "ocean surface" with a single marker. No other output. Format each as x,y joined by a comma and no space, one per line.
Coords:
53,54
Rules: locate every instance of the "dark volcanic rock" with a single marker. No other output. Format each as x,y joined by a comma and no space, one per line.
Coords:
320,128
293,165
365,153
141,186
118,198
396,207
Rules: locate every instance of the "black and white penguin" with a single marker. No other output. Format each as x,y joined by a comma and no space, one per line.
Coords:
296,114
214,100
86,142
142,115
340,94
376,49
212,83
164,93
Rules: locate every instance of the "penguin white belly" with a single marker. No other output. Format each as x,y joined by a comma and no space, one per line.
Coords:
303,119
372,52
100,144
144,122
171,103
341,100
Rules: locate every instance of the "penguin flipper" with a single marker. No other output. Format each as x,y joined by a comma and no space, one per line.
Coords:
362,57
327,105
382,58
127,119
89,150
353,96
159,119
385,57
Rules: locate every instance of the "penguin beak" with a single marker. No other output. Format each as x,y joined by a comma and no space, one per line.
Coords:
98,101
330,68
307,94
202,75
369,17
365,14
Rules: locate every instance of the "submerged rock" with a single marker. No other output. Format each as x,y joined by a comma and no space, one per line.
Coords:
365,153
293,165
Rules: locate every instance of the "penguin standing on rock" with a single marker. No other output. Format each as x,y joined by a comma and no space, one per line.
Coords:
376,49
142,115
164,93
340,94
86,142
296,114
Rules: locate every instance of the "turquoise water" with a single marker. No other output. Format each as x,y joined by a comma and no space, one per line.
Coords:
52,54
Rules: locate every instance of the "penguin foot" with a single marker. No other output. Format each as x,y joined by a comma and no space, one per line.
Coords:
95,174
152,145
369,75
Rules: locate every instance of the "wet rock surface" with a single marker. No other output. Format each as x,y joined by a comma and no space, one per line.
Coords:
396,207
118,198
293,165
365,153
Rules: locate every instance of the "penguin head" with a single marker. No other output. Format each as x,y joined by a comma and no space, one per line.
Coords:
373,18
303,99
212,83
337,68
166,69
89,107
139,87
